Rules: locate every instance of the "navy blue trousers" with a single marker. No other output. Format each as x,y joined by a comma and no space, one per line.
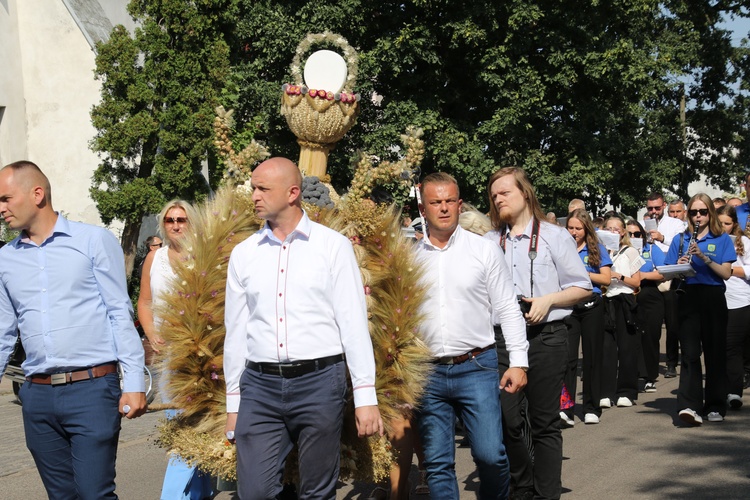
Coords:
72,432
275,414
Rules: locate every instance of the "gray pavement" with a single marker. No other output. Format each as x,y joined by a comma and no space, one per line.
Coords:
639,452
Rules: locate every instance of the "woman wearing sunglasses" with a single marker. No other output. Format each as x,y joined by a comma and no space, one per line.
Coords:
702,312
738,304
586,323
180,480
621,342
650,305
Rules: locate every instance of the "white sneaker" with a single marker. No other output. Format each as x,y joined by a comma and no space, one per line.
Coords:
690,417
734,401
590,418
605,403
566,421
715,416
649,387
624,402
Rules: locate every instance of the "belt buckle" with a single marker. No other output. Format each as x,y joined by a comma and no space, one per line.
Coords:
58,378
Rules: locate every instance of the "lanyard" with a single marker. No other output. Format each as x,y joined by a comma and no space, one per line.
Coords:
533,241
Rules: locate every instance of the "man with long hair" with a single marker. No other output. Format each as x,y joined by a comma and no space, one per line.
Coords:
549,279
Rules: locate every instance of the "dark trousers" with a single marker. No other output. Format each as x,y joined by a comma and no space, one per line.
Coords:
621,346
650,318
672,322
586,325
275,413
738,333
548,353
72,432
703,323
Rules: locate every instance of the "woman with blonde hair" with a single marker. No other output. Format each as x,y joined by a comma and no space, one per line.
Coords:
181,482
622,341
738,305
702,310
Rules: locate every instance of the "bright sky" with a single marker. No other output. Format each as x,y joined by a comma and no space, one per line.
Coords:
740,26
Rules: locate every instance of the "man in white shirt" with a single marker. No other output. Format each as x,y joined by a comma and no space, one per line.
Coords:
294,306
550,278
469,287
667,228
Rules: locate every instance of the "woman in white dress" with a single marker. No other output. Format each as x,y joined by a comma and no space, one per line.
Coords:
181,482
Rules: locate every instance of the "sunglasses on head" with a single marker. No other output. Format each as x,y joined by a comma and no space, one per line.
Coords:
175,220
155,245
636,234
695,211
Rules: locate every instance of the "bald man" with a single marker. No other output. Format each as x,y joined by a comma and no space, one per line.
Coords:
295,320
62,285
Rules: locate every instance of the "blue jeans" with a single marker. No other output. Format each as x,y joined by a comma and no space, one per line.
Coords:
469,389
72,432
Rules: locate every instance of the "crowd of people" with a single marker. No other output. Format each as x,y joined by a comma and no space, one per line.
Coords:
512,300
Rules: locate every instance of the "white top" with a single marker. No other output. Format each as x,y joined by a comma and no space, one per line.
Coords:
738,289
162,280
296,300
468,290
557,265
626,261
669,227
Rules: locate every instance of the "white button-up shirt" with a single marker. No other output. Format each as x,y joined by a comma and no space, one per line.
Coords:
469,290
557,265
669,227
295,300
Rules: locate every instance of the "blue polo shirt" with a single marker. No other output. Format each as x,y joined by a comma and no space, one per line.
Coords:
742,213
719,248
653,255
604,261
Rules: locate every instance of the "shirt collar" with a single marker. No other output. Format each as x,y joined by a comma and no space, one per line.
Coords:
304,226
62,227
451,241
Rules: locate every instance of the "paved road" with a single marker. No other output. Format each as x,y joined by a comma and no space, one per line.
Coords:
640,452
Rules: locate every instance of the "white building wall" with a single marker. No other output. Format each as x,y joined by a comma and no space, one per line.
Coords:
12,103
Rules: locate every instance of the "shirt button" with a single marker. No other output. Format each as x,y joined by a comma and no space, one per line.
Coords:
281,320
44,289
284,247
282,270
281,345
279,295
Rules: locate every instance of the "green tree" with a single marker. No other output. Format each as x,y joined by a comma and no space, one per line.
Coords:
154,121
584,95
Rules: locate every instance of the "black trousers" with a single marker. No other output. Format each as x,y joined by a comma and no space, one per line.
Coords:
650,318
621,346
586,326
672,321
703,324
738,333
548,353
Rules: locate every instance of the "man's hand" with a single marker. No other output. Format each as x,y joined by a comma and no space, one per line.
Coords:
513,381
368,421
540,307
231,424
656,235
137,403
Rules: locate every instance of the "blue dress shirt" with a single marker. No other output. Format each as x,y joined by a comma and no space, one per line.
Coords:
69,300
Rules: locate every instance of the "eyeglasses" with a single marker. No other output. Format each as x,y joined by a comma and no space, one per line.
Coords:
636,234
652,209
156,245
175,220
695,211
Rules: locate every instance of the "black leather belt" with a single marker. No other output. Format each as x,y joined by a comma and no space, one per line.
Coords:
457,360
296,369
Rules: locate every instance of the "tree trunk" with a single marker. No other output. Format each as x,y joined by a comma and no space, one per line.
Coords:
130,244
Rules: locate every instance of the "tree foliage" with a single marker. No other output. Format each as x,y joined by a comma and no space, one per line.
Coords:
154,122
585,95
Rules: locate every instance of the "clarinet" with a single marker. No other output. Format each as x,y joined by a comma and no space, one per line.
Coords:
693,238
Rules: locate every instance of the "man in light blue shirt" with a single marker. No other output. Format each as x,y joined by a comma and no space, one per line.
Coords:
62,285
